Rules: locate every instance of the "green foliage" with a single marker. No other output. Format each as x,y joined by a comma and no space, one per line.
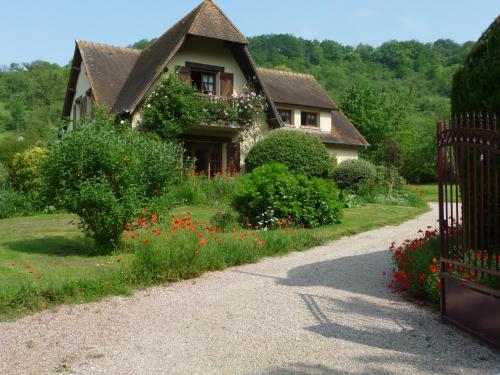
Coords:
272,194
26,171
350,173
301,153
380,116
196,190
224,219
218,109
476,85
31,98
388,187
103,174
4,176
168,252
171,107
13,203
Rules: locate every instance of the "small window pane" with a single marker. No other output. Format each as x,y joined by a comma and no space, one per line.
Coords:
208,84
286,116
309,119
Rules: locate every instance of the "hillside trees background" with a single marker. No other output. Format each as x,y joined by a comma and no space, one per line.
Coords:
394,93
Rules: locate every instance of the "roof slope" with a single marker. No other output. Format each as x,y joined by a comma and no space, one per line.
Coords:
108,67
344,132
295,89
206,20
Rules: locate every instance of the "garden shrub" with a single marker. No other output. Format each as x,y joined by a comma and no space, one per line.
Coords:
4,176
103,174
171,107
272,194
26,171
350,173
301,153
388,187
13,203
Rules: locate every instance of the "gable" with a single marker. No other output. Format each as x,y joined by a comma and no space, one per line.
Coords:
206,20
104,67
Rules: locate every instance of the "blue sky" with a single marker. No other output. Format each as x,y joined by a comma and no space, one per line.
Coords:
46,30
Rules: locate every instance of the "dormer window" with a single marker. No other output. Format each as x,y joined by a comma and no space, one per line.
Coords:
286,116
309,119
204,82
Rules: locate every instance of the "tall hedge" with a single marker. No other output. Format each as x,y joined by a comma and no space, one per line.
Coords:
476,85
301,153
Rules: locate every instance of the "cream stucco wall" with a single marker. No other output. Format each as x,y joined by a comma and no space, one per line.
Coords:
342,152
82,86
210,52
325,116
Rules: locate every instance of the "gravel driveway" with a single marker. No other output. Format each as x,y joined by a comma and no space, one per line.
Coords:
325,311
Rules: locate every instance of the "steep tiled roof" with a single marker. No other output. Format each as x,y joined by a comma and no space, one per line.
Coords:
206,20
295,89
108,67
344,132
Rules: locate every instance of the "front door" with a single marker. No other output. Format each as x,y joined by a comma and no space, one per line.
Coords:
207,156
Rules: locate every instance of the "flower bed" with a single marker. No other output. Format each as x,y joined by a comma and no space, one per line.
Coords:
417,267
185,247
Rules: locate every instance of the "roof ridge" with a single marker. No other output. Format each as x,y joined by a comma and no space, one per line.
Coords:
180,22
214,4
108,45
285,72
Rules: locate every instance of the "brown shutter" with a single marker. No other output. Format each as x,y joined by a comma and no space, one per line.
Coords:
226,84
233,157
185,73
83,107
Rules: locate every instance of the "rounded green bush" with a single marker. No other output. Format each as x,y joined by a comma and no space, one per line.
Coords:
271,193
301,153
352,172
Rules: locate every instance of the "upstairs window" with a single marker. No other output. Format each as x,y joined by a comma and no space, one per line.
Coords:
286,116
204,82
309,119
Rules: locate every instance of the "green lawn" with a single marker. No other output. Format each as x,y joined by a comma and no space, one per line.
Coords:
428,192
45,260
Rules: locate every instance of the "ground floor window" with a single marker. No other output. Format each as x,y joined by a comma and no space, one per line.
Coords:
207,156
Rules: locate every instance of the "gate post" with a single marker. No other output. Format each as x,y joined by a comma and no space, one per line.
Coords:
442,224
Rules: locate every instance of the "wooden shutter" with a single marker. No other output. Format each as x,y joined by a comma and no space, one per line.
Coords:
233,157
226,84
185,73
83,107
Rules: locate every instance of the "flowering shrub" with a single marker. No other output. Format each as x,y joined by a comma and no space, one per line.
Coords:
185,247
171,107
271,194
219,110
249,105
25,171
175,104
417,267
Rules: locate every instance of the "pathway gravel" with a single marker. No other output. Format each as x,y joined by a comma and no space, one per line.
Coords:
324,311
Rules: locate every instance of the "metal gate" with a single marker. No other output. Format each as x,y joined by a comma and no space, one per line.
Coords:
469,220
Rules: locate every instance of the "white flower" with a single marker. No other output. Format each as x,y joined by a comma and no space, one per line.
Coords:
122,122
20,139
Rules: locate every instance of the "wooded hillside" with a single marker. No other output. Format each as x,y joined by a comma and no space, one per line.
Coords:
394,92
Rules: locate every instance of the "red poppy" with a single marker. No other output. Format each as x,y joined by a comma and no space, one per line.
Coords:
200,235
433,268
203,242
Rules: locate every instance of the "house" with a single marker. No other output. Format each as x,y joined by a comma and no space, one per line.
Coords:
207,49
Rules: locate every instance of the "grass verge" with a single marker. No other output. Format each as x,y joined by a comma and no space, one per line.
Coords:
428,192
45,261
